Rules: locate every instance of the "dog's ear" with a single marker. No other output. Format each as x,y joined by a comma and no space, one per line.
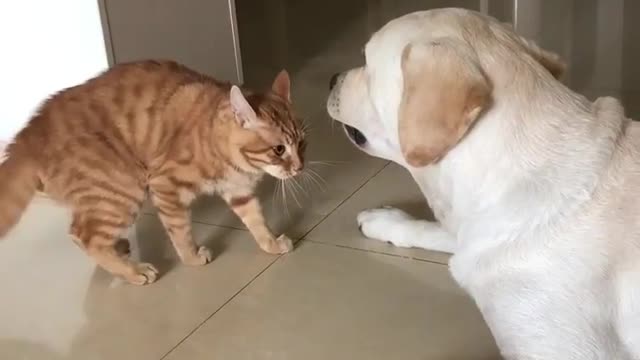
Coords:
444,93
549,60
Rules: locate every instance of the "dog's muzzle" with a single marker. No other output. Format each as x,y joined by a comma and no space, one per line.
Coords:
333,102
333,106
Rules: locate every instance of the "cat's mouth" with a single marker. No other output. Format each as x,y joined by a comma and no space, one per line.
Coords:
355,135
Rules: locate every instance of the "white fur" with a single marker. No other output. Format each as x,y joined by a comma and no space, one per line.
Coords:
186,197
208,187
539,203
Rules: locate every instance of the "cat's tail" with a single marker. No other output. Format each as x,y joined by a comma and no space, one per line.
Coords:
18,184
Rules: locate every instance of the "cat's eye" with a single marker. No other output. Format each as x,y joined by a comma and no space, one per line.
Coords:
279,149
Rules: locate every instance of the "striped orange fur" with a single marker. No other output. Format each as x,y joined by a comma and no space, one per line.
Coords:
157,128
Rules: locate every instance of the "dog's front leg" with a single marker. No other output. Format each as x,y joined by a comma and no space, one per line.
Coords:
402,230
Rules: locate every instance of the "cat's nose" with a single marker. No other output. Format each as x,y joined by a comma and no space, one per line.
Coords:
333,81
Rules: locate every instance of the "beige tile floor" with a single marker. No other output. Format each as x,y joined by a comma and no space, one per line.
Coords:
336,296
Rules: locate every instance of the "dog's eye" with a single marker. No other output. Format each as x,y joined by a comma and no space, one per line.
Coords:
279,150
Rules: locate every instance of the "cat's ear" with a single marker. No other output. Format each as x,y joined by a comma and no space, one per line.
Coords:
282,85
243,112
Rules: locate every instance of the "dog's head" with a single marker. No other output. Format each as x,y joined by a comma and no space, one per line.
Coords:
429,76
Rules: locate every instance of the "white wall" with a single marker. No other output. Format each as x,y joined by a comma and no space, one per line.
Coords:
45,46
589,35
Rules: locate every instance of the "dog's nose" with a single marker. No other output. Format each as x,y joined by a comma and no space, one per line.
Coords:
333,81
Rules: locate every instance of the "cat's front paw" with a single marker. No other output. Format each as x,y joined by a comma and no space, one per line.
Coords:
142,274
381,223
284,243
202,257
281,245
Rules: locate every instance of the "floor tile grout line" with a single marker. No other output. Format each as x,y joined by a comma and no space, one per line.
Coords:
218,309
270,264
379,252
222,226
203,223
303,237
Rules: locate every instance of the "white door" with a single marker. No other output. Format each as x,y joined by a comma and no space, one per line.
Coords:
46,46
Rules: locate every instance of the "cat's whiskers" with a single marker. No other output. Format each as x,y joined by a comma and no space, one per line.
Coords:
284,197
293,192
276,190
328,163
309,178
304,176
305,124
315,175
305,192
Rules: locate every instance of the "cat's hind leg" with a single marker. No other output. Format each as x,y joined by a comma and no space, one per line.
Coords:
98,178
98,232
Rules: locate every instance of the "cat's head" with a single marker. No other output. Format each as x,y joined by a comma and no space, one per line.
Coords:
274,140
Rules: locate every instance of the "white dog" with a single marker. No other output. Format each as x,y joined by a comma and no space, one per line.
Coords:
534,187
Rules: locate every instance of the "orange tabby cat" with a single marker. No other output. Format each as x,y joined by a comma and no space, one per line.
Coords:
156,127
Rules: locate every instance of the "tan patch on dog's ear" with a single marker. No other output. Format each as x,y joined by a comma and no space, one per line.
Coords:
445,91
550,60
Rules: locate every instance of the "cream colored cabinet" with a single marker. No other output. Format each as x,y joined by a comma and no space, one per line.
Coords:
201,34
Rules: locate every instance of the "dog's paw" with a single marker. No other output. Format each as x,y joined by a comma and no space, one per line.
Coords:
383,224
